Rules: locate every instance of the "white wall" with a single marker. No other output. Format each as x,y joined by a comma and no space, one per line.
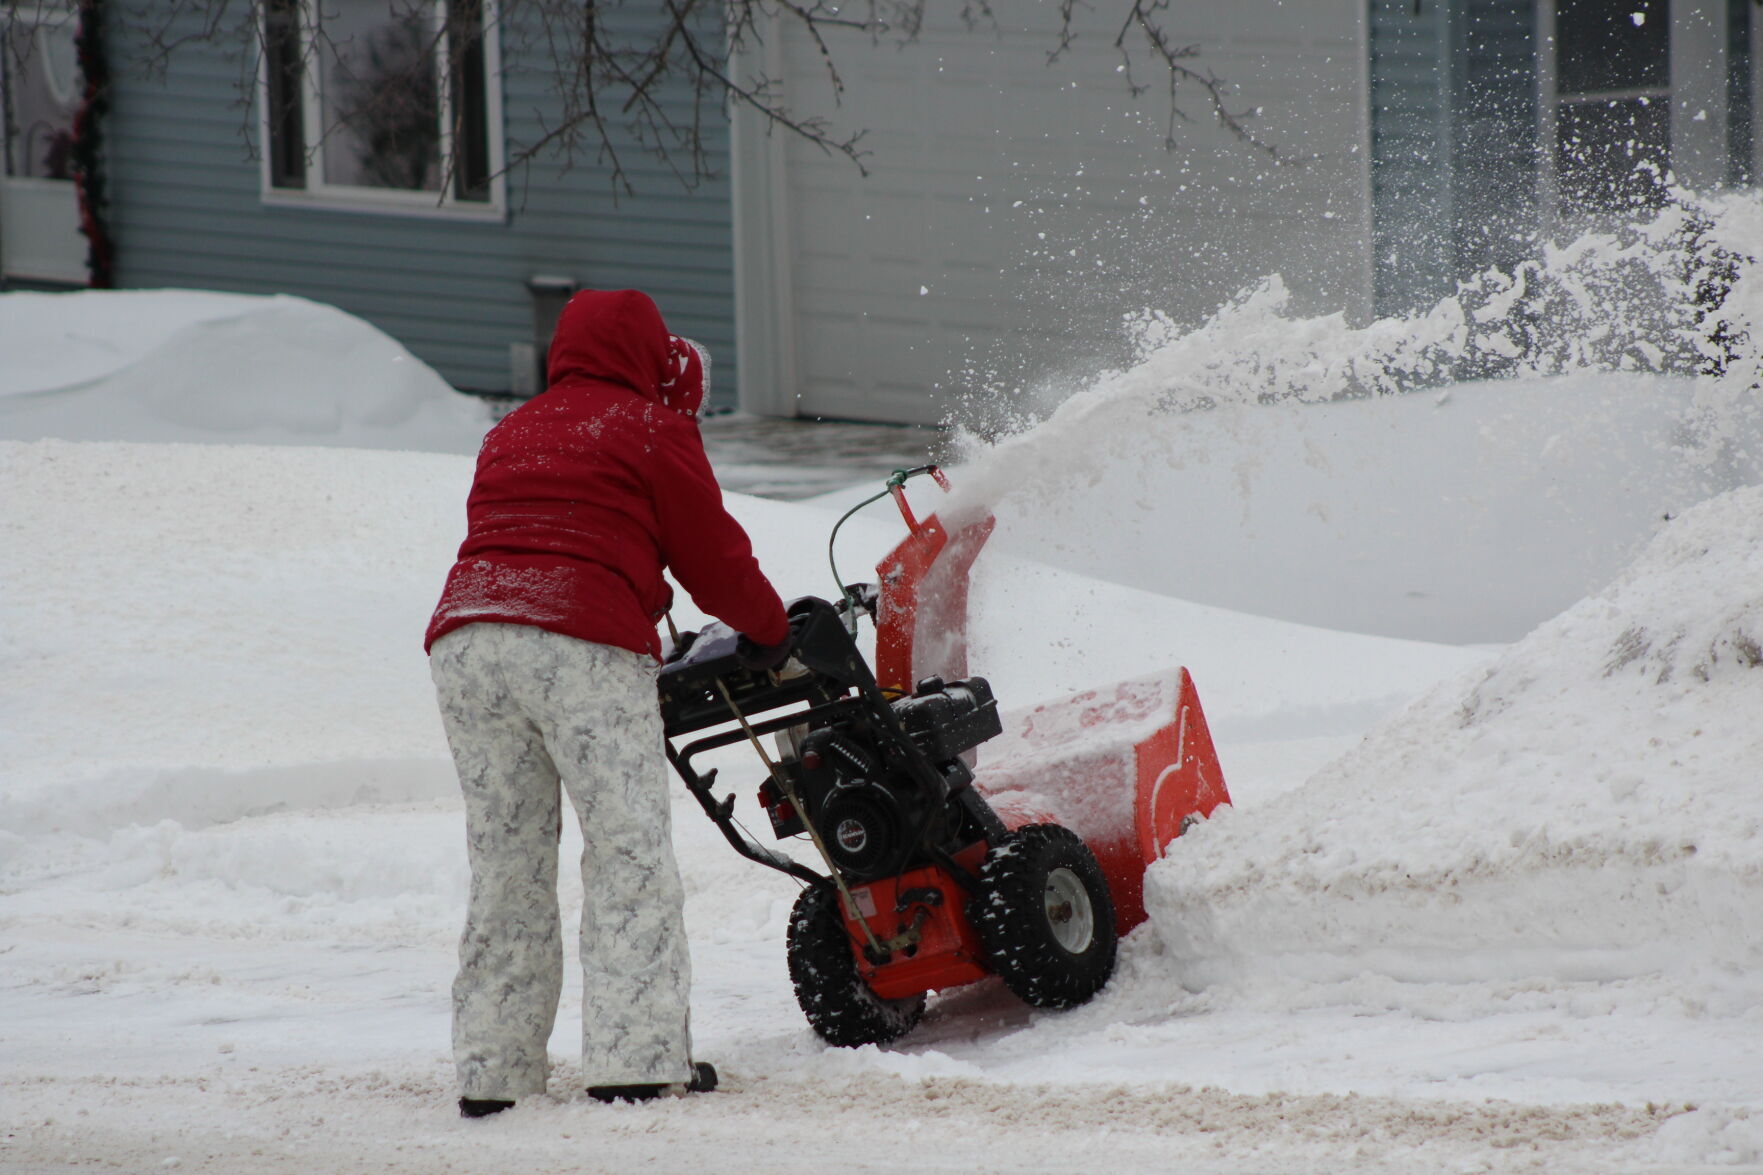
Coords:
1015,210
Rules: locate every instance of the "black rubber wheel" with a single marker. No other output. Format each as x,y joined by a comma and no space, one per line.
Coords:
1044,917
838,1004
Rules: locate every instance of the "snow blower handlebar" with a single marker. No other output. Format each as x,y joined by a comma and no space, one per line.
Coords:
721,813
894,762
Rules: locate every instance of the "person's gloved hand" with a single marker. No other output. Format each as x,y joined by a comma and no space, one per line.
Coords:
760,657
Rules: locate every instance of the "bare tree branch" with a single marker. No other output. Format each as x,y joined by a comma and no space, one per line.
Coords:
618,94
1145,18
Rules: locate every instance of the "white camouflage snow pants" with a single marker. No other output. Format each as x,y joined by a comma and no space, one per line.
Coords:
525,708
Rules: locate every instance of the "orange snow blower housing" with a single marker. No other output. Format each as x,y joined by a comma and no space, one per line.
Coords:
958,841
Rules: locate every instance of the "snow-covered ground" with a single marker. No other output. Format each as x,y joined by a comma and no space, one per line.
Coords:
1476,908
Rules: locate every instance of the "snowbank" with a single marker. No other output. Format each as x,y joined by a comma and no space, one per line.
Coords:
1588,808
1460,516
191,366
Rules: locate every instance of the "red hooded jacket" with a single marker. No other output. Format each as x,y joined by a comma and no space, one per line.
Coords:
586,492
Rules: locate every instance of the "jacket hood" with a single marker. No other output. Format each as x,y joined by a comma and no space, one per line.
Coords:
619,337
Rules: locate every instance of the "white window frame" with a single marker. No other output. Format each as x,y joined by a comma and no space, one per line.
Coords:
1756,54
317,194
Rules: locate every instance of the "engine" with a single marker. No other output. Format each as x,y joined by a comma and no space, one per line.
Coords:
873,813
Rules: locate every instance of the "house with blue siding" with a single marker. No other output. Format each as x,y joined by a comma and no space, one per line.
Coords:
1009,211
313,183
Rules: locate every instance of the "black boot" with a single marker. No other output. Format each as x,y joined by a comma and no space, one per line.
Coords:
482,1107
703,1081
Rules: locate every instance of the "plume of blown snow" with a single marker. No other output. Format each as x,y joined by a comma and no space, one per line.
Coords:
1367,477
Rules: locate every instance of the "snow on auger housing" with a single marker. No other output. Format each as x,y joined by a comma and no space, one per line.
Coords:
928,883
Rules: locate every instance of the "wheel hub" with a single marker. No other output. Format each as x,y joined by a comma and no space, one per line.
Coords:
1070,915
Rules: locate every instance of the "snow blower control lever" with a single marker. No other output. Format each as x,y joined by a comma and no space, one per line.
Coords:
925,887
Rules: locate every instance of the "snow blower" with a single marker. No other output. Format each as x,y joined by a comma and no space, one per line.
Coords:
938,872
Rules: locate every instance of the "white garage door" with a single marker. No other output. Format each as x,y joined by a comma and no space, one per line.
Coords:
1015,211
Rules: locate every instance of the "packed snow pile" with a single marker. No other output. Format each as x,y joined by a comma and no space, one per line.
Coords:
1587,808
1459,474
191,366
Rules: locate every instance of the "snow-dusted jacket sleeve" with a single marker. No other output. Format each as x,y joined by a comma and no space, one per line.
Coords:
702,544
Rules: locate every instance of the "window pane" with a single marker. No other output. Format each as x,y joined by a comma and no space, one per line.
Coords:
380,95
43,93
1612,154
1612,45
471,122
284,65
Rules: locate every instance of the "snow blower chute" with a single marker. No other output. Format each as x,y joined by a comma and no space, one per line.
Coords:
938,872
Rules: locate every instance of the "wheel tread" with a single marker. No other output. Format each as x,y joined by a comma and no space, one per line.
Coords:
1009,916
840,1007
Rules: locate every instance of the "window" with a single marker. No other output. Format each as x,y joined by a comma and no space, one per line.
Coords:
40,93
1612,141
381,104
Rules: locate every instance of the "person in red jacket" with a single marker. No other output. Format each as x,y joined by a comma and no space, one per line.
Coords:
543,649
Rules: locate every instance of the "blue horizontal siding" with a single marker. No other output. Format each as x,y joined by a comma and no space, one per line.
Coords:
1410,156
187,211
1453,117
1494,133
